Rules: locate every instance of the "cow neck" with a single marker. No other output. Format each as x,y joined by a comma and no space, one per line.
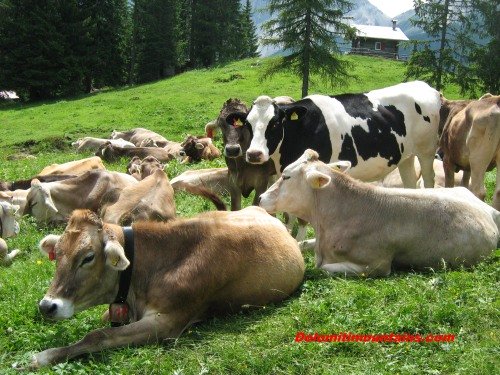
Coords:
126,275
119,309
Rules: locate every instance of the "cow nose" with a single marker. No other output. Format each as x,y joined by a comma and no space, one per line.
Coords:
254,156
258,200
47,308
232,151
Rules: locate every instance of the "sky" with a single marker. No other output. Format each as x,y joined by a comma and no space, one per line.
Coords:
393,7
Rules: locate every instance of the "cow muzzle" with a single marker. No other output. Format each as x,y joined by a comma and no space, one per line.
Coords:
232,151
57,308
255,157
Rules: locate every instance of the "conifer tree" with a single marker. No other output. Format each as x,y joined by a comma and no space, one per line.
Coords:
306,31
249,42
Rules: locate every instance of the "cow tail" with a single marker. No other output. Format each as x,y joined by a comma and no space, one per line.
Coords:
203,192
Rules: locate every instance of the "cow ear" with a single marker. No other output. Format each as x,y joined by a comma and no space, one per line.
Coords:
48,245
199,146
295,113
236,119
340,166
115,256
317,180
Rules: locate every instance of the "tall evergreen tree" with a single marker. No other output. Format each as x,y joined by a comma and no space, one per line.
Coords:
40,54
306,30
156,47
486,59
105,29
453,24
249,42
216,32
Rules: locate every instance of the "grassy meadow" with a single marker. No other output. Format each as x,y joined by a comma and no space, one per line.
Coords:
461,302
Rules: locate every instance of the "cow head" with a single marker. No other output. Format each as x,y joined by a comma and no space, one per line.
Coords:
236,132
294,191
89,258
192,147
115,134
149,165
148,142
268,120
40,205
9,227
107,152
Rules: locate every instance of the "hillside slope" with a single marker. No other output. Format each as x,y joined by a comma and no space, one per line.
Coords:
175,106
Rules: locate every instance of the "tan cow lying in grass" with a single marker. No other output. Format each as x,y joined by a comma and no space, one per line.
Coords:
393,179
9,227
183,271
93,144
213,179
137,136
150,199
363,229
470,141
140,169
54,201
76,167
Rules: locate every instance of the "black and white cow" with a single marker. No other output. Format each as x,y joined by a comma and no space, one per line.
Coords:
375,131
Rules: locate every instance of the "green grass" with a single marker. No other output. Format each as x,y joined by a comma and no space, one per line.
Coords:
463,302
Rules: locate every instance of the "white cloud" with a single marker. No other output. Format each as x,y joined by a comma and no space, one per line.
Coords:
393,7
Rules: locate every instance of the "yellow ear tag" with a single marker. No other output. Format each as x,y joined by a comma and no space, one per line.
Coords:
294,116
237,122
115,261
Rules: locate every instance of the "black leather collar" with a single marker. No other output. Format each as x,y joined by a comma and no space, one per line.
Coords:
126,275
119,313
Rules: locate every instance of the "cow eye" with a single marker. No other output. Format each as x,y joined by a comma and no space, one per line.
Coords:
285,177
89,258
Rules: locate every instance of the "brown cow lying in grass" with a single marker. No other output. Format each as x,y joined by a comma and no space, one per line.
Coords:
184,270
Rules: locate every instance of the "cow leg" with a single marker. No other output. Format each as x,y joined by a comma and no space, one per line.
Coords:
408,173
344,268
496,195
302,231
235,193
353,269
466,179
427,168
149,329
307,245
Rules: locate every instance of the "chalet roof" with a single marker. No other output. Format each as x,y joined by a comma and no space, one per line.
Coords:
379,32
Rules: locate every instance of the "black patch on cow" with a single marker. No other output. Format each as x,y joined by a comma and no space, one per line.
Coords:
426,118
347,151
418,109
402,148
383,124
309,131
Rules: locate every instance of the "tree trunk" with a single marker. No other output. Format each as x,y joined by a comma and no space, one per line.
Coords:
444,26
306,56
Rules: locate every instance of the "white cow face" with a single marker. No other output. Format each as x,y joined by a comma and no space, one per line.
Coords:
294,191
40,205
9,226
263,115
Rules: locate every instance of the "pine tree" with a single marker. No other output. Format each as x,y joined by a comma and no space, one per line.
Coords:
156,47
306,30
105,29
40,54
452,24
250,44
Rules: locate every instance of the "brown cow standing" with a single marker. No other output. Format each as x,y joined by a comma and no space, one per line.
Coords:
470,140
187,269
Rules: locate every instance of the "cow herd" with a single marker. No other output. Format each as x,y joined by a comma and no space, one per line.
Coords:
326,160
